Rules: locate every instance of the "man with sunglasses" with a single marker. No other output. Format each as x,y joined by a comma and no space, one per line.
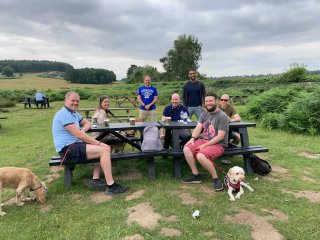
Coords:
193,94
232,115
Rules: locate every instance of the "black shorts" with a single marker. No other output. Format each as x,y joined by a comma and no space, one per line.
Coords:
76,154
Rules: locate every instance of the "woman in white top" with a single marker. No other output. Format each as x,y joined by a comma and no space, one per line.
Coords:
101,114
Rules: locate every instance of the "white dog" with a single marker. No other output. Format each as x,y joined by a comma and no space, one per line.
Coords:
234,182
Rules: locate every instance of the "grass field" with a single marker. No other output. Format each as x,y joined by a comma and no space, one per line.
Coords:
285,204
32,81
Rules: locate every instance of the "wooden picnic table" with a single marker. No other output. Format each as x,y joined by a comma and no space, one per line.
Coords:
27,101
2,118
110,113
241,127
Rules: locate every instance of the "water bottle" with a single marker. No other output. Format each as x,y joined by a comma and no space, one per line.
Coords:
184,117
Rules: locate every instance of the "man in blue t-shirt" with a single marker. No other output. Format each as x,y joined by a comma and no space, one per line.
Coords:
75,146
193,94
174,110
147,96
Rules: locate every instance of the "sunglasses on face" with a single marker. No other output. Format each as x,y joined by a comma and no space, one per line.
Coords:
224,100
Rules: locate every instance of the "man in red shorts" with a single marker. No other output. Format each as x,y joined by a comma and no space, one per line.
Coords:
215,125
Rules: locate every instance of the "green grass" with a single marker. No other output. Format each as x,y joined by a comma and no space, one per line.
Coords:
26,141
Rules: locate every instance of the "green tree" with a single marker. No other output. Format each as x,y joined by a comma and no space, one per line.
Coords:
7,71
185,54
130,70
137,75
296,73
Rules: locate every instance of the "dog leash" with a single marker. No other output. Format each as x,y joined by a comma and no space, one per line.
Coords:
216,165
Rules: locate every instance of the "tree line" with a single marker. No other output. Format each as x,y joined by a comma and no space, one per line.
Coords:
34,66
90,75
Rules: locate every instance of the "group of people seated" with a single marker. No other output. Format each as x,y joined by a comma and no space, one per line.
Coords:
74,145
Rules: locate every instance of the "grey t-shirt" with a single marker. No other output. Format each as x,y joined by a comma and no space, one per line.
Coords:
212,122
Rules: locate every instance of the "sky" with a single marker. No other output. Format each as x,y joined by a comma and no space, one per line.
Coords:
239,37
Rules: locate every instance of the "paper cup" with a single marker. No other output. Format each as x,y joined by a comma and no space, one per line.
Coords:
132,121
106,122
168,120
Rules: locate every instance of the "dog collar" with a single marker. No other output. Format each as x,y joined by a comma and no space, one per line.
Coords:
33,189
233,185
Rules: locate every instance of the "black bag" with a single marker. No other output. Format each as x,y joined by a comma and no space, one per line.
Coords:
260,166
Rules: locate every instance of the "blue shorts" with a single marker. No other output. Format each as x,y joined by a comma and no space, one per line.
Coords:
77,153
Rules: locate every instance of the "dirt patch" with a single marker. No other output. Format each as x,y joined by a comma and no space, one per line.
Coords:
76,197
271,178
43,208
275,214
307,171
100,197
187,199
136,236
210,234
310,155
55,169
144,215
262,230
136,195
313,196
133,174
307,179
208,189
170,232
10,202
172,218
279,170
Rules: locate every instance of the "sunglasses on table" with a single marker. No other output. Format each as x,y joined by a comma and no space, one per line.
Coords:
224,100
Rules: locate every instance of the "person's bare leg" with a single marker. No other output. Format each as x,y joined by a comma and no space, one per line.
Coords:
190,160
94,151
96,171
207,164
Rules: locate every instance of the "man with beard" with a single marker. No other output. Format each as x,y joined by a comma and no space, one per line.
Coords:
193,94
215,125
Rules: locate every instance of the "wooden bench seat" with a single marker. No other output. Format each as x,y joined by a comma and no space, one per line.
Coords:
147,155
178,156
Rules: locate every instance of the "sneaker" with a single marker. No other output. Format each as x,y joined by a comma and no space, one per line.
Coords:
193,179
97,184
217,185
116,189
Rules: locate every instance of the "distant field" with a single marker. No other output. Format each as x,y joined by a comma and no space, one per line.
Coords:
31,81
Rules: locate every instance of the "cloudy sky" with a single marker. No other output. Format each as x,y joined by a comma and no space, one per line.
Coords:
238,36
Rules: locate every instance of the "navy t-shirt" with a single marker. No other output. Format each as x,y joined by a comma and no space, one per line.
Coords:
174,113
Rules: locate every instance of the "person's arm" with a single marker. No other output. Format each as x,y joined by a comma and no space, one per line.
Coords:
75,131
235,118
195,134
215,140
150,104
139,100
85,124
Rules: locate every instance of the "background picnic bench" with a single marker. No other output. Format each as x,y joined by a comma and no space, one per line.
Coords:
120,100
28,100
2,118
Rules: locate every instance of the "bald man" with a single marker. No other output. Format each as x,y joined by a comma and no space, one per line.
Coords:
232,115
74,145
174,111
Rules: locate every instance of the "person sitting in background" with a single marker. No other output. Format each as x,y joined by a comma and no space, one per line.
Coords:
101,114
232,115
174,110
39,98
75,146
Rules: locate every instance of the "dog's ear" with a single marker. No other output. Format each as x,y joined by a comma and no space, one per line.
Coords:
230,172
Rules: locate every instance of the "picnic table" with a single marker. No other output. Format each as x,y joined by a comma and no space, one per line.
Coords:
245,149
27,101
176,152
2,118
110,113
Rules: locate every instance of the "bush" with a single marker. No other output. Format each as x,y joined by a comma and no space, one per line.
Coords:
296,73
303,114
6,103
272,120
272,101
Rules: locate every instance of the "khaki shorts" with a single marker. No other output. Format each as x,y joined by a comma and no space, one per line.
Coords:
145,114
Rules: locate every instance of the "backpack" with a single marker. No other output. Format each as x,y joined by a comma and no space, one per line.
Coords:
151,139
260,166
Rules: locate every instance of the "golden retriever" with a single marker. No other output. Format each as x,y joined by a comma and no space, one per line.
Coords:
20,179
234,182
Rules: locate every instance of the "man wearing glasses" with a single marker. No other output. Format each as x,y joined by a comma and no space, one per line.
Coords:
232,115
193,94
